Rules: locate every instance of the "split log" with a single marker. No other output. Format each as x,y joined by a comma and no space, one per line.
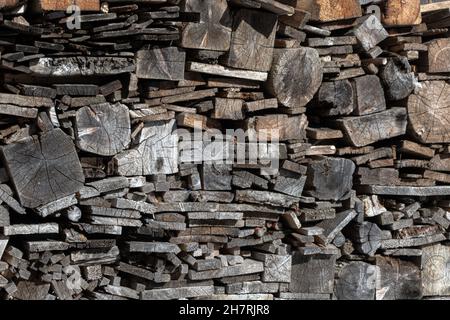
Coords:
103,129
427,112
295,76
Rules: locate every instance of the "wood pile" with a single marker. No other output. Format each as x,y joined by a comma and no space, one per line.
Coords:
241,149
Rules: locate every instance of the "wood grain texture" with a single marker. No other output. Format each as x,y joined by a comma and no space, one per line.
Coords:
295,77
252,40
44,169
161,63
401,13
103,129
331,10
364,130
428,112
157,152
437,58
213,31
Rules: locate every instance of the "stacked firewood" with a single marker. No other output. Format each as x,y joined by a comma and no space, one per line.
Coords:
248,149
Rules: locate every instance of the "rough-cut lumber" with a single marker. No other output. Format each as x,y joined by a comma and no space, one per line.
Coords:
304,266
357,281
295,76
397,78
252,40
161,63
213,31
365,130
369,95
226,72
327,10
84,5
157,152
335,98
82,66
330,179
247,267
44,169
401,13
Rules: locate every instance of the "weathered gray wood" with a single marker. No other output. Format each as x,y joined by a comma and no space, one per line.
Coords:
266,197
369,95
226,72
332,227
252,40
369,31
357,281
304,266
397,78
157,152
213,31
247,267
28,290
44,169
82,66
160,63
336,98
427,112
435,270
295,76
103,129
365,130
407,191
330,179
399,280
177,293
152,247
23,229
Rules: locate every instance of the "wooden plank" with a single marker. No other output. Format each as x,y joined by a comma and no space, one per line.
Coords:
226,72
161,63
428,7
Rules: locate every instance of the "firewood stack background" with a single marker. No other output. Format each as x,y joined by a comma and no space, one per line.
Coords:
113,185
